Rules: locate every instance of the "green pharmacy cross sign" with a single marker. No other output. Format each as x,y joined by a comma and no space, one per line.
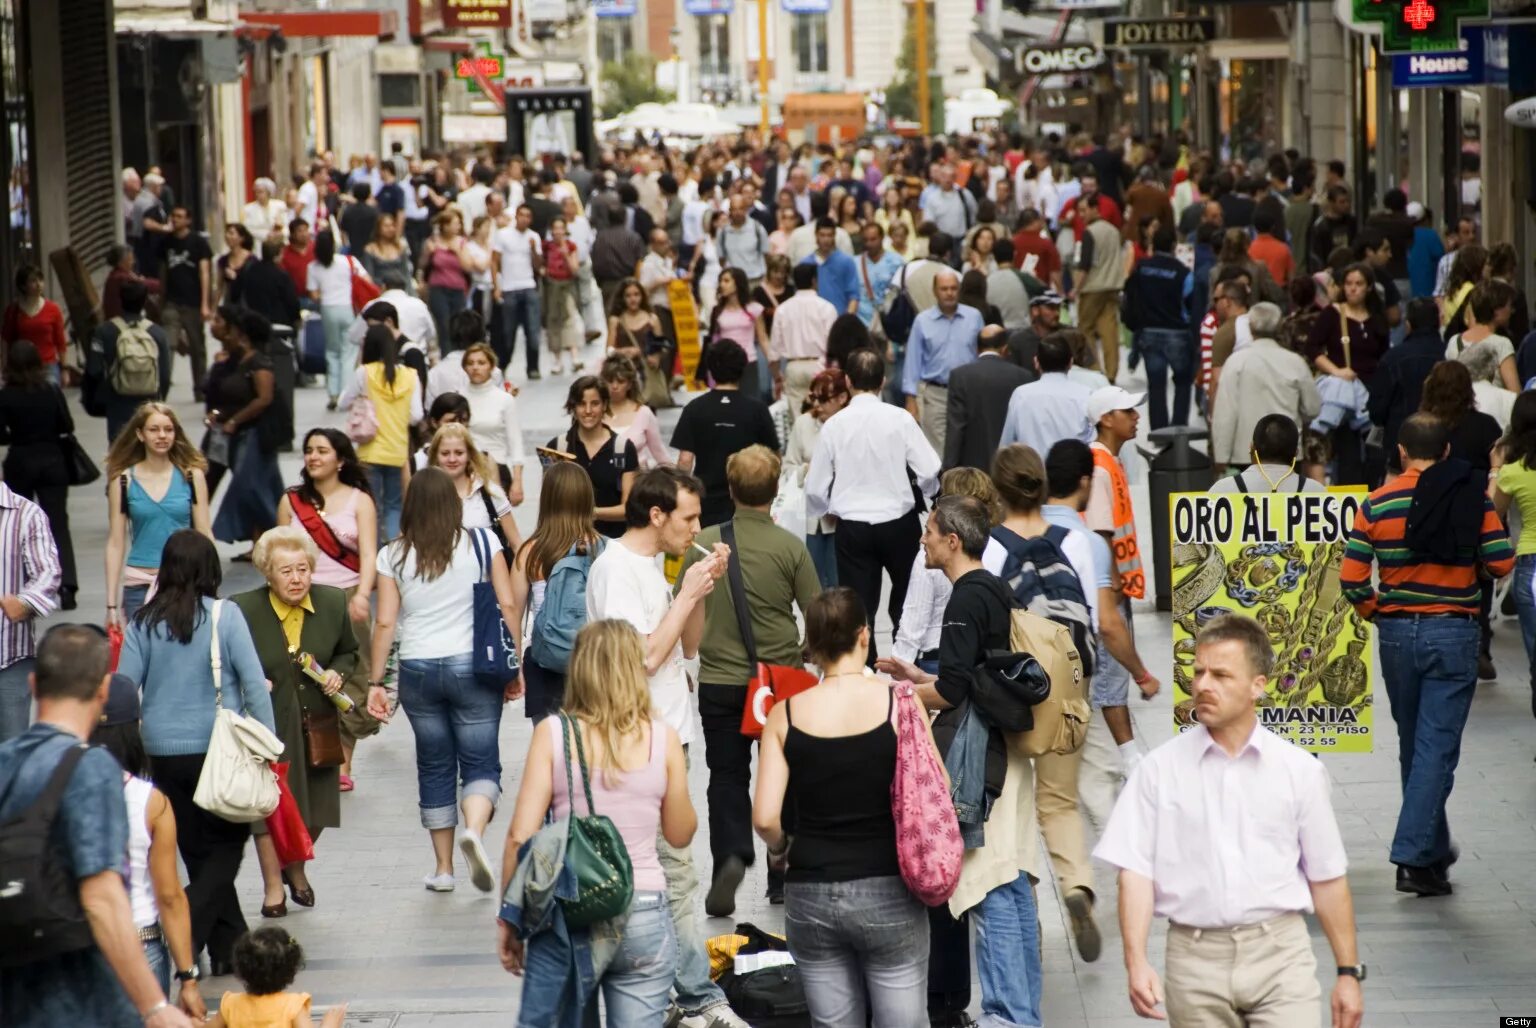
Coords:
1412,26
485,62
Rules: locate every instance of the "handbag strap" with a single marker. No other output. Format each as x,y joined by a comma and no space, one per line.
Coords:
739,596
569,728
217,664
864,270
482,553
1344,333
313,523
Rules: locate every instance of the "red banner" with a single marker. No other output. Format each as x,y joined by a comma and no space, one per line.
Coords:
477,14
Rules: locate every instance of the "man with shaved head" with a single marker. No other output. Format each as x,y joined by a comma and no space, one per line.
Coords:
943,338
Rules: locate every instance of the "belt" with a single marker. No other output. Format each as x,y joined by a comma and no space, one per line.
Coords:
936,382
927,655
1265,927
151,933
1406,616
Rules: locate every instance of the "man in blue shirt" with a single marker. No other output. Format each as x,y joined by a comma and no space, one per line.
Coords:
107,982
1157,296
837,276
1044,412
877,268
942,338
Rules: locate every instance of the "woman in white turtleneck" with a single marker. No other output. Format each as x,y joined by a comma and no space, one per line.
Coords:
493,420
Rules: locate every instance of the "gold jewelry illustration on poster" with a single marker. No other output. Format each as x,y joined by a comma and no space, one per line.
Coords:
1275,557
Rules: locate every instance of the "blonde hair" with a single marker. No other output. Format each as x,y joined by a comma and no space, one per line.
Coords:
284,538
753,475
483,349
975,483
479,465
607,690
128,449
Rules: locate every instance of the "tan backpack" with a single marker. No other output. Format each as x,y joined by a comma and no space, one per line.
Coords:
1061,720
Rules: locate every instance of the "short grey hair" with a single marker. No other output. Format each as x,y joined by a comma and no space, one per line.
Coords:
284,538
967,518
946,272
1264,319
1482,362
267,184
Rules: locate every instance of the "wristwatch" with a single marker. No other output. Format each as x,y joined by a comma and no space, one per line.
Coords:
189,975
1355,971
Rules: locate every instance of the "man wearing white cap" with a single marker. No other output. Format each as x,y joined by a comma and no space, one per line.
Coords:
1112,412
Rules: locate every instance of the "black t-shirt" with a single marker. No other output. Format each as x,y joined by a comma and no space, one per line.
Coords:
391,198
183,286
1329,233
606,468
357,222
1473,438
976,619
714,426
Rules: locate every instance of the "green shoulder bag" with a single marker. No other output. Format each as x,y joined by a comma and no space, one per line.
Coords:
595,852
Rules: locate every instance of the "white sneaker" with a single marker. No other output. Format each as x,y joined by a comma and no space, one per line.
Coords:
438,883
479,866
719,1016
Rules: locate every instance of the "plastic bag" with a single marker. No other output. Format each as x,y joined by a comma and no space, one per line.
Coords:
290,836
114,646
788,510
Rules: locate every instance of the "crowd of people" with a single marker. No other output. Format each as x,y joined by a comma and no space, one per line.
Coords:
911,364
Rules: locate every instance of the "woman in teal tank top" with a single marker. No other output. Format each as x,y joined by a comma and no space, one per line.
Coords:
155,487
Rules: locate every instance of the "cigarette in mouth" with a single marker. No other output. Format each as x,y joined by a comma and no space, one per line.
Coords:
701,549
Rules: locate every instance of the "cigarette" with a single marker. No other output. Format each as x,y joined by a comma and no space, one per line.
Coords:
701,549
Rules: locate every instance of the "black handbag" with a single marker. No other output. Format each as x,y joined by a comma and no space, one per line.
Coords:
79,469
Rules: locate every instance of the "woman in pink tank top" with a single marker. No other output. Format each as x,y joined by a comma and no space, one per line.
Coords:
639,781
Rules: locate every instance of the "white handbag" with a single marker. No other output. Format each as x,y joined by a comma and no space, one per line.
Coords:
237,782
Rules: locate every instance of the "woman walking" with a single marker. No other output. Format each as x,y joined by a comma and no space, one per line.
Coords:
633,420
634,330
1515,478
388,252
229,269
332,504
446,266
155,487
168,653
857,934
33,417
426,580
565,529
827,395
562,314
631,769
330,285
739,318
609,460
250,419
392,390
453,450
290,619
1347,342
37,319
493,419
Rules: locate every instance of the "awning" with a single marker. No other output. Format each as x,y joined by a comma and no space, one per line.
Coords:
170,26
1249,49
378,24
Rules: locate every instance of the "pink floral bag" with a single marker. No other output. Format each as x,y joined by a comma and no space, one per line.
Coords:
928,845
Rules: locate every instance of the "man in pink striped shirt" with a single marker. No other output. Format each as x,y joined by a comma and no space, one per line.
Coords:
1229,833
29,589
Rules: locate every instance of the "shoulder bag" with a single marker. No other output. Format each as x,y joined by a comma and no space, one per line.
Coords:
237,782
315,524
929,849
596,858
769,683
78,466
495,655
364,291
876,329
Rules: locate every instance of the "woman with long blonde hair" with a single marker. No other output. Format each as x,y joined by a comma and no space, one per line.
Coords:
453,450
565,529
633,764
155,487
426,580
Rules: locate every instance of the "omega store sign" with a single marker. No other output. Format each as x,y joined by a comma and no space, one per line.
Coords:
1157,33
1059,60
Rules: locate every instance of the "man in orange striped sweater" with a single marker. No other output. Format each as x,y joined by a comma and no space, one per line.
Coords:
1426,618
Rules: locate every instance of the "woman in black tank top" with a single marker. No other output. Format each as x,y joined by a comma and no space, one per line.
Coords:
823,806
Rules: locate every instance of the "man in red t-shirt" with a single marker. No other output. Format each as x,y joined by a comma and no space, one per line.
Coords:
1270,250
1034,253
297,254
1108,209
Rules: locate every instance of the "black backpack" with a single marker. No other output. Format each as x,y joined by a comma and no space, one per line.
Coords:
770,997
40,913
897,319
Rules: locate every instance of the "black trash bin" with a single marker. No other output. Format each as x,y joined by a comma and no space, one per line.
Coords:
1175,467
284,375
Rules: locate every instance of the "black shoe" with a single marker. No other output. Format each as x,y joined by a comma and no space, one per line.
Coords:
721,898
220,968
1444,866
776,892
1486,672
534,375
330,404
67,599
1422,881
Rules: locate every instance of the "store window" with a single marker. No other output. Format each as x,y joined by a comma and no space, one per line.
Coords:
615,38
811,44
715,75
399,91
17,243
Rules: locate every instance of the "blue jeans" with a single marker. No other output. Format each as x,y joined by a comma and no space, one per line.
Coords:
134,597
1008,955
638,982
388,493
823,550
456,721
859,944
1429,666
1525,607
444,303
159,963
15,699
520,307
340,356
1165,350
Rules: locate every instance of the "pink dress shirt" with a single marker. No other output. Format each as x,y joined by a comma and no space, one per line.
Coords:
1226,841
800,327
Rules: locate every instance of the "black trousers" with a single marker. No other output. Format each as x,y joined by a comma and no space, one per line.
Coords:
949,964
728,755
46,484
212,849
864,550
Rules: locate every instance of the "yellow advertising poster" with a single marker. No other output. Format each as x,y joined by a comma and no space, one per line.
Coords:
1275,557
685,322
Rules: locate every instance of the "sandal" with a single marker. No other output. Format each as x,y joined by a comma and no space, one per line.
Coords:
347,785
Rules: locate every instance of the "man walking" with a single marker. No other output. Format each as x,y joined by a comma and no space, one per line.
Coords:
129,361
1261,379
1228,832
1398,385
30,577
188,294
1054,407
770,574
862,473
1157,310
717,425
877,269
799,338
742,242
942,339
517,260
979,395
837,276
1100,274
1044,318
1425,614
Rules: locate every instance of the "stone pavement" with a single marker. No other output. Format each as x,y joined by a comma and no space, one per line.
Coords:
405,958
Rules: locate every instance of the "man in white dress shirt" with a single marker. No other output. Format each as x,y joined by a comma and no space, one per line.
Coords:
859,475
1228,832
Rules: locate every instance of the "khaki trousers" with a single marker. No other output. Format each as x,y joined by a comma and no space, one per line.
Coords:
1060,822
933,410
1098,317
797,382
1099,774
1255,976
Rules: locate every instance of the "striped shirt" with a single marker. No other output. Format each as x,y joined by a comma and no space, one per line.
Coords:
29,571
1410,585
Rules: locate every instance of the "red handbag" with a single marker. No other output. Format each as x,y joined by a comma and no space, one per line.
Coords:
290,836
770,683
364,291
114,646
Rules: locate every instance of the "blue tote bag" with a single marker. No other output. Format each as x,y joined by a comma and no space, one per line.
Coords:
495,656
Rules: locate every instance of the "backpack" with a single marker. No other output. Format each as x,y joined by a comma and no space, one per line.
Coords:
769,997
135,370
1042,581
900,312
40,913
1061,719
564,610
